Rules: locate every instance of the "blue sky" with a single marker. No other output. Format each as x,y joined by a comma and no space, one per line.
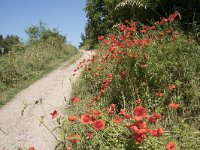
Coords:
67,16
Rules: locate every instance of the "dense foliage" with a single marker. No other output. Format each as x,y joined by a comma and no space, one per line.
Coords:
104,14
7,43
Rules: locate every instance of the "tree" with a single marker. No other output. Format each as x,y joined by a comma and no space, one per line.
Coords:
8,42
42,33
100,20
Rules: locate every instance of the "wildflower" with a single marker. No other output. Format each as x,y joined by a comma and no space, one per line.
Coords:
133,24
172,17
139,127
159,94
75,99
143,31
74,138
106,42
152,27
71,118
122,112
138,42
161,33
100,37
170,146
172,86
128,125
126,20
128,43
153,118
31,148
54,114
139,138
96,113
173,37
146,41
137,101
94,99
117,120
86,119
174,106
127,116
139,112
158,132
112,106
99,124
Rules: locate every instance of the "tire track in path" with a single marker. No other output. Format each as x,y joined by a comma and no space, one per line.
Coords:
24,131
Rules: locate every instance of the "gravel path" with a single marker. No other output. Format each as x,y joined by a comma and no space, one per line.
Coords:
25,131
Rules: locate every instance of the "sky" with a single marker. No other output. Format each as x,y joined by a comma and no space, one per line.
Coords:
67,16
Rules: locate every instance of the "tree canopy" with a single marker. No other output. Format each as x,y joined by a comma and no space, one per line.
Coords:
102,15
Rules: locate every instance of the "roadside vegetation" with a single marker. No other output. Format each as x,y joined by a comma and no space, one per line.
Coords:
140,90
22,63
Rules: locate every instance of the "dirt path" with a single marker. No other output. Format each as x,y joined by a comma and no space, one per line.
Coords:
24,131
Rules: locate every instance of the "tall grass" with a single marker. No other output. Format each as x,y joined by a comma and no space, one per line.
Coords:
27,62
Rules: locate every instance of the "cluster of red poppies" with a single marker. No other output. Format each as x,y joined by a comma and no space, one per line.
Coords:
116,49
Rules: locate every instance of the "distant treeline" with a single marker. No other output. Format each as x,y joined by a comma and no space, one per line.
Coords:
35,33
7,43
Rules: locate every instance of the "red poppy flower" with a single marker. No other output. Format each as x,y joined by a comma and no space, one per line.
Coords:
112,106
172,86
133,24
94,99
139,138
75,99
100,37
153,118
31,148
152,27
54,114
74,138
174,106
99,124
139,112
127,116
117,120
139,127
126,20
138,42
170,146
86,119
137,101
159,94
172,17
71,118
158,132
172,38
96,113
122,112
146,41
